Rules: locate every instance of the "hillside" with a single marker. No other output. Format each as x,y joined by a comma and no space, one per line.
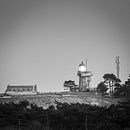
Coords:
47,99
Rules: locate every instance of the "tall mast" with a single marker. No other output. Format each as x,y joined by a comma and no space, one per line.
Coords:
117,66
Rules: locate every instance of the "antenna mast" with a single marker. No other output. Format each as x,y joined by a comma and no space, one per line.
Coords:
117,66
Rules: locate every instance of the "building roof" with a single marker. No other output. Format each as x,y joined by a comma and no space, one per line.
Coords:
20,86
82,64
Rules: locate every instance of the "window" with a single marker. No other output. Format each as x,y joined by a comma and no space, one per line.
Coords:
28,89
9,89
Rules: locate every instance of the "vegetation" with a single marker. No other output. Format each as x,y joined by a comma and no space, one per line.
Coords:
119,90
70,116
26,116
116,89
102,88
111,80
123,90
70,84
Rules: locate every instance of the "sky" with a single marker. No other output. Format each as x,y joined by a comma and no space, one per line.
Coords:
43,41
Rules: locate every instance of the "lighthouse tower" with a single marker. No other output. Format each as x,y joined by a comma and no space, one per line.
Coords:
84,77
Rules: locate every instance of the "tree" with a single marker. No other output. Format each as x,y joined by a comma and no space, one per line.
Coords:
127,83
102,87
122,90
127,87
111,79
70,84
119,90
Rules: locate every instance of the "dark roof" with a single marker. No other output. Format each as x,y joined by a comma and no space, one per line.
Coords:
82,64
20,86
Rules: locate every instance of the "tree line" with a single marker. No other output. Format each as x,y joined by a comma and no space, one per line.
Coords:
26,116
113,84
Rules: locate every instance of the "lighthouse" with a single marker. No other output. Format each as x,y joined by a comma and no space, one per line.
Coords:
84,77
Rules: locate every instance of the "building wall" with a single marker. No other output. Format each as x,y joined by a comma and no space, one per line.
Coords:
21,89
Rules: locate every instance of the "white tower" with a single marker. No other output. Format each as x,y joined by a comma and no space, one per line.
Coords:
84,77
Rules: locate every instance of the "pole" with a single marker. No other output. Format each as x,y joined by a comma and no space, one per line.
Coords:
117,66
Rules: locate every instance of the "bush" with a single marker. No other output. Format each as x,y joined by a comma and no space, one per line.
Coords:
64,117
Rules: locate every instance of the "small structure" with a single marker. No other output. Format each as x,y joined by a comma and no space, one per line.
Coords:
21,90
84,77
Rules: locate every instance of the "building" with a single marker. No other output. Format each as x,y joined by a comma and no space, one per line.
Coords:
21,90
84,77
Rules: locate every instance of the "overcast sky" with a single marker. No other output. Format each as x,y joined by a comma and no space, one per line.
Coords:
43,41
